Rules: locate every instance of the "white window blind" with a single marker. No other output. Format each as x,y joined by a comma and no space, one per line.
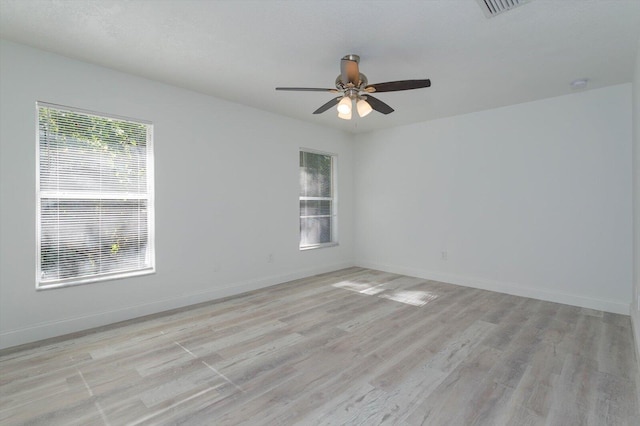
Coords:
95,197
318,217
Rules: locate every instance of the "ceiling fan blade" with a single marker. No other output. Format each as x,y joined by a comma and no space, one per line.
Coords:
328,105
396,86
378,105
307,89
349,70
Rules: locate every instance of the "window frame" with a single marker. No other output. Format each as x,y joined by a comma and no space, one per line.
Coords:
334,202
150,198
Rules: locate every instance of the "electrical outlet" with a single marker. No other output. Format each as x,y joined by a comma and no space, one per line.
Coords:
444,255
270,258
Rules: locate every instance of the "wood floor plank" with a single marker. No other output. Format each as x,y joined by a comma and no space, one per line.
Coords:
355,346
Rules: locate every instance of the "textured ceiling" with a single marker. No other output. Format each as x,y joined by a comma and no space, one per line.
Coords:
242,50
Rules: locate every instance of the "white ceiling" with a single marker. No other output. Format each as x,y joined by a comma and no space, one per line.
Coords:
242,50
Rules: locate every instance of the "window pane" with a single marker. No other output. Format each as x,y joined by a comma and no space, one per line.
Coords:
315,230
81,238
315,175
315,207
79,152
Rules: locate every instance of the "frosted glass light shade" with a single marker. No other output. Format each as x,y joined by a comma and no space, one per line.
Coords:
345,116
344,106
363,107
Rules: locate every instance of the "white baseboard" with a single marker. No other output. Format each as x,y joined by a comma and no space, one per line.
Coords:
635,327
50,329
501,287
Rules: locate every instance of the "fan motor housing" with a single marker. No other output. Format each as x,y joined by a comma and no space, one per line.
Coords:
344,87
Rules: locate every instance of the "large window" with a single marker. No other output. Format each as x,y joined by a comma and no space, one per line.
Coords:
95,197
318,201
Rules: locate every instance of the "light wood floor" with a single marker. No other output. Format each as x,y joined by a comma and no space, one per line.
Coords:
352,347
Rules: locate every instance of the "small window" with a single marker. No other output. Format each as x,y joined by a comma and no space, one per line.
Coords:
318,201
95,197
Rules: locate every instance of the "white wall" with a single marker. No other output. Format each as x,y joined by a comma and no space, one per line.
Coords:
226,196
635,300
532,199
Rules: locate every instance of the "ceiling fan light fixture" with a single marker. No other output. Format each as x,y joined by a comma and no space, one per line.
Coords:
344,106
344,116
363,107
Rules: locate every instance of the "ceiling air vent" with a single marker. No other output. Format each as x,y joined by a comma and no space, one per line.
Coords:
495,7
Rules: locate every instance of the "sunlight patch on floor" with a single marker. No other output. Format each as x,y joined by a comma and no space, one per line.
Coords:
409,297
414,298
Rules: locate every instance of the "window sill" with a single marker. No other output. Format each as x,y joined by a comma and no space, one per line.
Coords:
318,246
95,279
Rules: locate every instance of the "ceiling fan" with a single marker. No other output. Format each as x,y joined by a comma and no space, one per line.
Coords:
352,86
